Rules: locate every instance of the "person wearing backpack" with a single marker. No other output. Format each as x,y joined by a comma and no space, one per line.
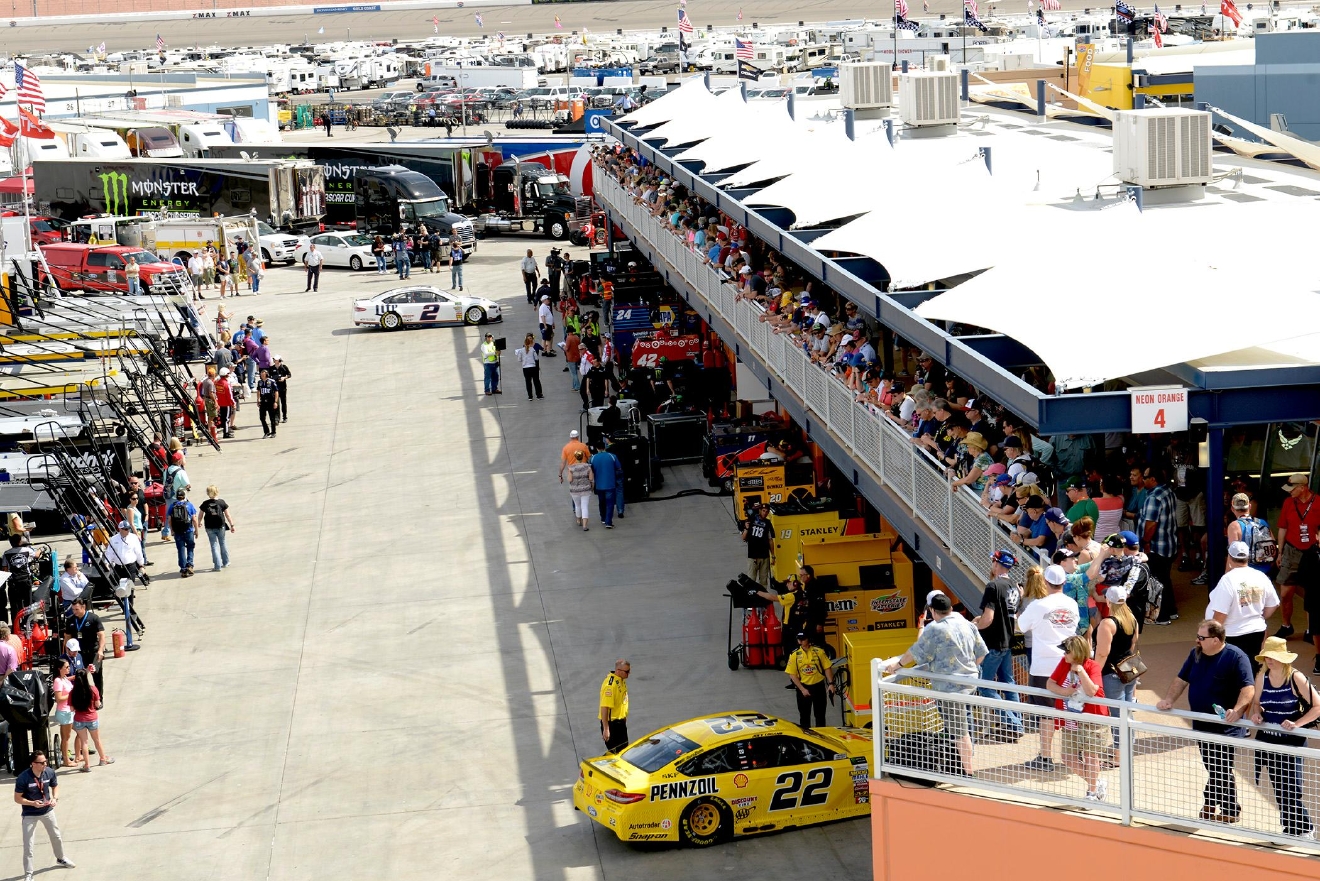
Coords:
182,518
176,481
1254,532
1242,601
1285,697
17,560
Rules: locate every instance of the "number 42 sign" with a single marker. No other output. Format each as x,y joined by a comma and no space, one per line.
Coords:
1158,409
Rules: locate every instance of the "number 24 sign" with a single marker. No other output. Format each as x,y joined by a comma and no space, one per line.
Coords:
1158,409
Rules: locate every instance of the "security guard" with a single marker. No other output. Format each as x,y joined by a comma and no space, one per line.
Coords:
614,706
809,668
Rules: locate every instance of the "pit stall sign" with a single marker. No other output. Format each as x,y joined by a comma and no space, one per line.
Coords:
1158,409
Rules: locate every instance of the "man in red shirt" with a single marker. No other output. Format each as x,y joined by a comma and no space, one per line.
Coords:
1299,553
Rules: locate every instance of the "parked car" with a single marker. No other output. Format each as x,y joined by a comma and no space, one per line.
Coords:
348,249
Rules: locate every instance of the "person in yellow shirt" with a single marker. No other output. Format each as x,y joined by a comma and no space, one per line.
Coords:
490,364
809,670
614,706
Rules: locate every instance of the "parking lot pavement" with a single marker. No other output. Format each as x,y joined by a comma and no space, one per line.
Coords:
397,675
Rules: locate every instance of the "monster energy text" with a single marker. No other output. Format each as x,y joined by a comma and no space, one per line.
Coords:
116,187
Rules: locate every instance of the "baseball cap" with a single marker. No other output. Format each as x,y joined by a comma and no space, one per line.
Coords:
1027,478
996,468
1055,575
1116,594
123,524
1239,551
1004,558
972,405
847,338
930,595
573,433
224,371
1002,480
1034,502
180,494
746,270
545,296
276,358
1297,480
940,602
1011,441
1241,502
1015,469
1062,554
1130,538
1115,541
73,645
1074,482
802,634
1055,515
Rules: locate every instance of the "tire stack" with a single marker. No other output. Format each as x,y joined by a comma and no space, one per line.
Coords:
530,123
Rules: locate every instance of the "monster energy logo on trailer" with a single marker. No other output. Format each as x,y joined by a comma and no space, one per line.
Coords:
116,187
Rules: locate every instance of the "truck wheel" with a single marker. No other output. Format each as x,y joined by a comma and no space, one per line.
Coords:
556,227
474,315
355,263
265,257
391,321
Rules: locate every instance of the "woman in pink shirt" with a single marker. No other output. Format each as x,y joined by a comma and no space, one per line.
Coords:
60,688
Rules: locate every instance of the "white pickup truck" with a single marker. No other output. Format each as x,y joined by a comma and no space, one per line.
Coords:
281,247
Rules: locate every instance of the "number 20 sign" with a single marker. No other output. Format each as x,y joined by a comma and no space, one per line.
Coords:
1158,409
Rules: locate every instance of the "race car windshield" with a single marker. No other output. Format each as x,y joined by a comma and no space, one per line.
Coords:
655,752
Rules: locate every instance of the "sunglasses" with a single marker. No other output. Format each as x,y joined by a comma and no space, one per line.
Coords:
1200,638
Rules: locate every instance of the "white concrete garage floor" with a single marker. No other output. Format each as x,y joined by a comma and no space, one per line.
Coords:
398,674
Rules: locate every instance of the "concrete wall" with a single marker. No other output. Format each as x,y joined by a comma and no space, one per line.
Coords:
1285,79
912,828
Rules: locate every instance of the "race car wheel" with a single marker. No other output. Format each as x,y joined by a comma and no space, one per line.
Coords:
704,822
355,263
474,315
391,321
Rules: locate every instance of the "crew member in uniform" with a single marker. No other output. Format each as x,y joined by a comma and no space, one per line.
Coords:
809,669
792,606
614,706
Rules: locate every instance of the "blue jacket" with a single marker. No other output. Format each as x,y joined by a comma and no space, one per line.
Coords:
602,465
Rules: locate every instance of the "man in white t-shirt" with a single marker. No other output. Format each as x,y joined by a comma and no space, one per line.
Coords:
546,316
1241,601
1049,621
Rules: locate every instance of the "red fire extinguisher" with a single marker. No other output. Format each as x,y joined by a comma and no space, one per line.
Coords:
119,640
774,636
754,638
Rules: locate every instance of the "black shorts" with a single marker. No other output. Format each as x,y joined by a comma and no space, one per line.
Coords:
547,332
618,735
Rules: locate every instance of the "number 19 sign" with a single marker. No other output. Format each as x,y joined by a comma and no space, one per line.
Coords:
1158,409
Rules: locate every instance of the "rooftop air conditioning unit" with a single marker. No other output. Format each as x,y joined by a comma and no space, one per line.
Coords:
928,98
866,85
939,63
1162,147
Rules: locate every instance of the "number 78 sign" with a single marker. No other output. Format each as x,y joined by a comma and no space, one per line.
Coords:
1158,409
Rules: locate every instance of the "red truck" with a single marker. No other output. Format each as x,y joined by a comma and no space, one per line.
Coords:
45,230
100,269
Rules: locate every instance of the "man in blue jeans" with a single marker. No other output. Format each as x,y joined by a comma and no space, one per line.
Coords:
999,606
182,517
602,467
618,484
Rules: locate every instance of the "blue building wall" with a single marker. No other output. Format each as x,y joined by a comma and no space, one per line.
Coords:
1285,79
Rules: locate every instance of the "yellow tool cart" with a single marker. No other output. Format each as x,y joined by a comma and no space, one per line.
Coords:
791,524
771,482
853,675
868,583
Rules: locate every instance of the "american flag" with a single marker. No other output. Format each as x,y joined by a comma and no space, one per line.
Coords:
1159,41
739,13
1228,9
1051,5
684,23
971,7
160,43
901,9
481,22
742,51
1161,21
1127,13
29,88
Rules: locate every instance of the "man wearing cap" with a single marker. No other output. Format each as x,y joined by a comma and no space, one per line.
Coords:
546,316
1241,601
1298,531
280,372
812,676
1120,563
997,623
1254,532
614,706
1033,530
1160,537
1050,620
949,646
490,365
1215,675
1079,498
566,455
224,398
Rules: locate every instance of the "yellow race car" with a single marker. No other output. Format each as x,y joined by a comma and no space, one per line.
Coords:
708,779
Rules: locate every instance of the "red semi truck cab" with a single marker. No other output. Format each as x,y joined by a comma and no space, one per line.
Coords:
100,269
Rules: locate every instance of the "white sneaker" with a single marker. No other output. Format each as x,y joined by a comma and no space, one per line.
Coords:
65,864
1101,789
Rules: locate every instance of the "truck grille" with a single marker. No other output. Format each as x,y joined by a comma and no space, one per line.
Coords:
582,207
465,233
290,243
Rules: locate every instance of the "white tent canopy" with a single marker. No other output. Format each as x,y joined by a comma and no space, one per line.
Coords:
739,142
791,152
691,97
727,108
1197,297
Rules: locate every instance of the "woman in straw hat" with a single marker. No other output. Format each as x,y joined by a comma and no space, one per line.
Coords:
1285,697
976,461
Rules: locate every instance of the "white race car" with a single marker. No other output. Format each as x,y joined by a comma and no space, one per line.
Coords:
349,249
422,304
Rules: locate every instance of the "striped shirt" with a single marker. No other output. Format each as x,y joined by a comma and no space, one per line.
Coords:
1160,508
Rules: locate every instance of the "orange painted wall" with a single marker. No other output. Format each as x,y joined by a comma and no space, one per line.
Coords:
920,834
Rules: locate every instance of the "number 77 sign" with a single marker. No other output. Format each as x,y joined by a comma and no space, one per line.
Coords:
1158,409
